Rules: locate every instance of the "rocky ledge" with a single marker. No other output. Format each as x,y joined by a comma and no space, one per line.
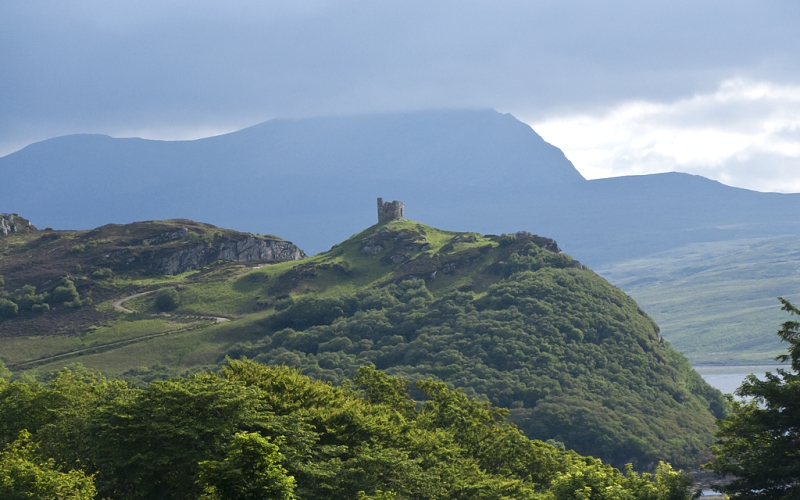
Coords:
13,223
196,254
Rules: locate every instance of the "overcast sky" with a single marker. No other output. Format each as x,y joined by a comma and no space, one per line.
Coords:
708,87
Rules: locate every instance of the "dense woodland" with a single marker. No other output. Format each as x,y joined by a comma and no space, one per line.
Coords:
253,431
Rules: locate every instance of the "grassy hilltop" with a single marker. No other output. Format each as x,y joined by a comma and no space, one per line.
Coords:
507,318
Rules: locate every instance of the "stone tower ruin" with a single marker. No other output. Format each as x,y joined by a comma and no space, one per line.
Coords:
391,210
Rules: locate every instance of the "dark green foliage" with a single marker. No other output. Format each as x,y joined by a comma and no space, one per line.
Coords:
251,431
572,357
22,300
250,471
25,476
66,294
506,239
139,437
103,273
24,406
8,308
26,297
308,311
759,443
167,299
40,308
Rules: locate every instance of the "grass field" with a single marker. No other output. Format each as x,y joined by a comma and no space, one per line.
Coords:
717,302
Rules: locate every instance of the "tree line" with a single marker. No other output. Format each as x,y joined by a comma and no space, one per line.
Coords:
254,431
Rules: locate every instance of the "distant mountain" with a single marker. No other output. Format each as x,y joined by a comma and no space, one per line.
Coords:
314,181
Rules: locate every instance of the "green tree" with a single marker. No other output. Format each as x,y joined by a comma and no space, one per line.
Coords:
23,476
251,470
759,442
167,299
148,443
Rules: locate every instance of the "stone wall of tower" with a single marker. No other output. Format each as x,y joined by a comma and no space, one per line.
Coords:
390,210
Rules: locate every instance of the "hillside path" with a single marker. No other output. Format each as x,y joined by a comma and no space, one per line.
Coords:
118,304
119,307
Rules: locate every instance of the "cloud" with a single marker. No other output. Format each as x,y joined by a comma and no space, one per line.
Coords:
745,133
179,69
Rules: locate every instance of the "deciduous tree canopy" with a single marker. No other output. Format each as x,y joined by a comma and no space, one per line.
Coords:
253,431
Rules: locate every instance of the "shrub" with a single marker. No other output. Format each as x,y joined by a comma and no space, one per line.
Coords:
66,293
40,308
102,273
506,239
26,297
8,309
167,299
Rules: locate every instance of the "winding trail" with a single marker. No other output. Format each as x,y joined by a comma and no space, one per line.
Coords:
119,307
118,304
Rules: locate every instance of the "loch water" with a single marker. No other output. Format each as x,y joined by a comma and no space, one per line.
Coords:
727,378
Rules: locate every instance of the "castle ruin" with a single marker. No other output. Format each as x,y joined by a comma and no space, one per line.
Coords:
391,210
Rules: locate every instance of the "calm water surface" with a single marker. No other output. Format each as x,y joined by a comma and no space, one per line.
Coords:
728,378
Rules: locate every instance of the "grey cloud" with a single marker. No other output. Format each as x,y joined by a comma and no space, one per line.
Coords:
111,66
759,170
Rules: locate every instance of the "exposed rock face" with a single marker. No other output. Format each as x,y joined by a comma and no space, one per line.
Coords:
13,223
371,248
168,236
252,248
195,255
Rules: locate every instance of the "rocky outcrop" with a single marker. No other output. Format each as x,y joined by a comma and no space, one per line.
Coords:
196,254
13,223
540,241
168,236
252,248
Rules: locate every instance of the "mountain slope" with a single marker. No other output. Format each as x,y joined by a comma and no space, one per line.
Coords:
717,302
300,178
507,318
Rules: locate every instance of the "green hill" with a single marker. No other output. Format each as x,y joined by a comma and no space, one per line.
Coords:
508,319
